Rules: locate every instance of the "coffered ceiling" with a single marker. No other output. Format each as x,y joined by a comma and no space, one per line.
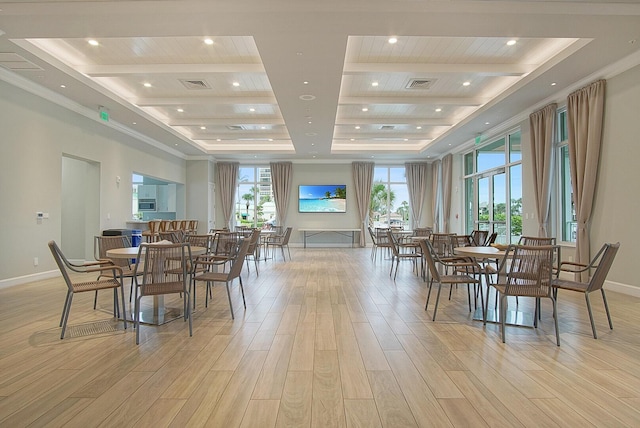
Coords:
305,79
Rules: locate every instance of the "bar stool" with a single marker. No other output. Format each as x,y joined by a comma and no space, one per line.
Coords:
151,235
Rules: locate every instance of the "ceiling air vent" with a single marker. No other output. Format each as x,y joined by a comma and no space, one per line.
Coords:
195,84
420,83
387,127
235,127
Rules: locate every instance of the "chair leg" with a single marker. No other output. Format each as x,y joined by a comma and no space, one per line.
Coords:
606,308
124,309
65,314
503,315
242,290
136,318
95,299
435,309
426,305
64,308
593,324
555,318
229,297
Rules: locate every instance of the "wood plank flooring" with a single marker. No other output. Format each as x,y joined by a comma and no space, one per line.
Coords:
327,340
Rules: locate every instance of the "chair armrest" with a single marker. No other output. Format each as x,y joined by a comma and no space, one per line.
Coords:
111,267
574,267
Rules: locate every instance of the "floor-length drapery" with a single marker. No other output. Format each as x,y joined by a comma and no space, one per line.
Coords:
447,164
585,111
542,123
227,182
363,180
416,174
435,206
281,178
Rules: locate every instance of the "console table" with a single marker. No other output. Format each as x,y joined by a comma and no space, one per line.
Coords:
307,233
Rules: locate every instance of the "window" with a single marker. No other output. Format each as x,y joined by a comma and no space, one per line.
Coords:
254,198
389,205
493,177
566,212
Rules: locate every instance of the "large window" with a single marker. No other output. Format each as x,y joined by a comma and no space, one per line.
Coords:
254,198
493,188
389,198
566,212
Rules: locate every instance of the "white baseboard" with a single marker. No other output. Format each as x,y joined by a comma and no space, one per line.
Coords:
10,282
626,289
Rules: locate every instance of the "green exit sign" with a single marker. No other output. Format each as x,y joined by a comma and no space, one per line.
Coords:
104,114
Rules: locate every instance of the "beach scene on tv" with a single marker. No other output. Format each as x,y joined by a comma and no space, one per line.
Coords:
320,198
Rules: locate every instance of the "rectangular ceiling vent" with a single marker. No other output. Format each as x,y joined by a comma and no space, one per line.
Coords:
195,84
15,62
420,84
235,127
387,127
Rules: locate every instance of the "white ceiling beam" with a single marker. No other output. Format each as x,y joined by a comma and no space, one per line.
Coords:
188,69
482,69
227,121
392,121
415,100
202,100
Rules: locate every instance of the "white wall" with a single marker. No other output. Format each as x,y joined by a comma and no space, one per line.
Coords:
34,136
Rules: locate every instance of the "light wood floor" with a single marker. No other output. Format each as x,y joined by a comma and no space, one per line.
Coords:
327,340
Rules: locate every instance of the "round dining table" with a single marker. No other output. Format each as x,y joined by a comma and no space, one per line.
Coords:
158,313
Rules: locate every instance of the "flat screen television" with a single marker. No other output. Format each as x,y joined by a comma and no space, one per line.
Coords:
322,198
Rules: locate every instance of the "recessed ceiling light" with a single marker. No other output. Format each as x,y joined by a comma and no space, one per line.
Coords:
208,41
553,84
218,139
176,144
63,86
305,82
438,110
511,42
353,139
180,110
252,109
263,127
147,85
418,127
393,40
93,42
270,139
365,109
307,97
236,84
374,84
135,123
299,53
486,123
313,144
406,139
371,156
466,83
357,127
203,127
309,122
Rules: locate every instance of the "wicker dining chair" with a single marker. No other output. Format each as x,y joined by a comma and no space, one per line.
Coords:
164,270
602,264
102,244
526,271
81,284
397,254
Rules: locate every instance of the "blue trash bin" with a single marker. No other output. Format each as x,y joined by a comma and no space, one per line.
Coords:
136,237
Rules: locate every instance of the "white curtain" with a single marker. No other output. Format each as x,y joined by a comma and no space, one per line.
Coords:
227,181
542,123
435,207
363,180
447,165
585,112
416,174
281,179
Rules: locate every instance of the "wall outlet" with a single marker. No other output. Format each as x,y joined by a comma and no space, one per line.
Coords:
35,261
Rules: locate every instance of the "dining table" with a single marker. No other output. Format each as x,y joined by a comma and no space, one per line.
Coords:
158,313
516,318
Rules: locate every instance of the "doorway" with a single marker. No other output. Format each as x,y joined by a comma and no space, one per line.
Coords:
80,212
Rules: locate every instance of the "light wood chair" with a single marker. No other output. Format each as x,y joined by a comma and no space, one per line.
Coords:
151,234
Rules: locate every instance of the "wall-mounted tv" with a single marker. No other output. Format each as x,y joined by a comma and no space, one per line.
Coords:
322,198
